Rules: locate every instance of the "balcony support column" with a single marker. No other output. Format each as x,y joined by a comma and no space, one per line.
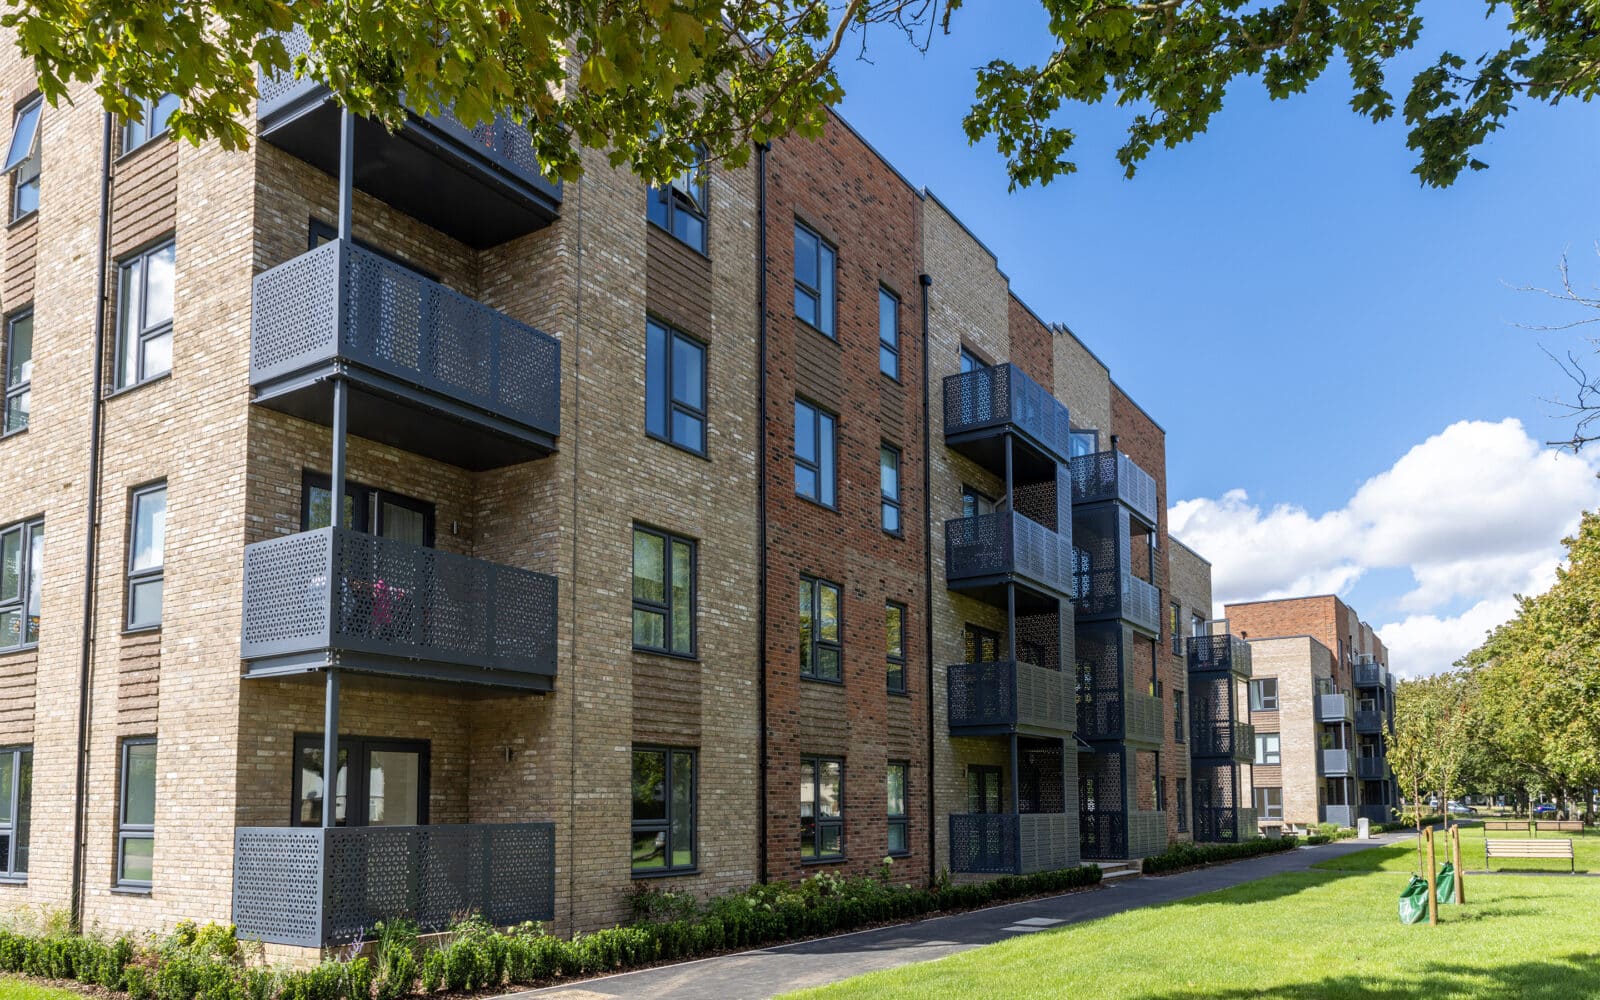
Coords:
330,749
1016,780
347,169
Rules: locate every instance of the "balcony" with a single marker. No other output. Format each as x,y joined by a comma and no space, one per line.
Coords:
1336,763
1007,697
481,185
1375,812
313,887
1372,768
1371,674
983,405
1011,844
340,598
1334,708
1118,594
1233,740
1111,475
1224,825
1112,716
430,370
1340,815
1369,721
1219,653
986,552
1147,833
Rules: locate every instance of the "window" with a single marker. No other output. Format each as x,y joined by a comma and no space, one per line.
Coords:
19,373
663,811
813,279
663,592
889,483
16,794
1082,443
980,645
389,786
1197,625
970,362
153,115
674,388
22,160
21,561
1183,804
1264,695
366,509
894,626
136,814
815,470
975,503
889,333
144,315
1268,749
821,654
1173,617
1269,803
821,808
680,207
984,794
146,546
1179,717
899,839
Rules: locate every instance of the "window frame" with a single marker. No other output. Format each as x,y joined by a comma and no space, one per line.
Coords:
1174,620
27,572
1180,717
1264,809
1258,696
18,829
26,170
664,826
893,659
827,485
826,299
137,577
134,831
365,502
812,588
675,200
669,403
358,758
668,539
143,334
1264,757
889,348
818,824
902,820
886,502
24,385
147,109
1181,795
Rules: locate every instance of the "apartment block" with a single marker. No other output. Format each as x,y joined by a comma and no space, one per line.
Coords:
1322,702
395,532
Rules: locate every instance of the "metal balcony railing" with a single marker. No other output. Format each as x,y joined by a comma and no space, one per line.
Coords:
314,886
336,594
1011,844
992,548
1335,763
1147,833
1215,653
1002,397
1369,720
1111,715
1371,674
1224,824
1007,696
1112,593
1334,708
1111,475
1375,812
1342,815
1233,740
1372,768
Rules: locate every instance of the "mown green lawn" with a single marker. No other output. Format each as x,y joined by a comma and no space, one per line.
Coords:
1403,857
1320,935
20,989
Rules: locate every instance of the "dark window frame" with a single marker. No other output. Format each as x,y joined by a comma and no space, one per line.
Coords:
138,577
818,824
827,493
357,750
18,830
320,233
813,642
26,170
1174,621
968,360
364,502
1181,794
133,831
889,347
663,827
1264,809
28,572
886,502
143,333
673,201
24,384
902,820
148,108
1258,695
895,660
669,403
1263,756
826,301
665,609
1180,717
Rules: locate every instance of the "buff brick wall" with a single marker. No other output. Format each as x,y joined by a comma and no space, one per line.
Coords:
1297,662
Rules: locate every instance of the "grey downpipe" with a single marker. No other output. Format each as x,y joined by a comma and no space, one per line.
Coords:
91,529
761,510
925,281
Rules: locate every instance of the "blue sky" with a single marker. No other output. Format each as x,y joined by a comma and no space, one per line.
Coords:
1298,313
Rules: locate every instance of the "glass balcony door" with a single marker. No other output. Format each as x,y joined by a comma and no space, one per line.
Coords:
389,787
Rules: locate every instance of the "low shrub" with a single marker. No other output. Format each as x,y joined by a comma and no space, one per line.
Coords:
1194,855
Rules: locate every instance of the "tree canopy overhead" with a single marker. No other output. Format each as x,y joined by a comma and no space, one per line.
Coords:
655,79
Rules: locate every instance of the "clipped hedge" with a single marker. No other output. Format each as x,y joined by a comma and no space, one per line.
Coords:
1194,855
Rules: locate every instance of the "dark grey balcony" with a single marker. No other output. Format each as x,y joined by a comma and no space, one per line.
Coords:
1117,594
1334,708
1369,721
1224,825
1147,833
1233,740
1371,674
1133,719
481,185
1219,654
313,887
1375,812
1372,768
340,598
984,553
1011,844
984,405
1341,815
996,698
1336,763
430,370
1111,475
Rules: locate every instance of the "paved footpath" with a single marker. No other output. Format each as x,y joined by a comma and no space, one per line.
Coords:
751,975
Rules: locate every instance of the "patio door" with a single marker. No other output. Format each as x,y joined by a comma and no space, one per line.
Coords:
388,788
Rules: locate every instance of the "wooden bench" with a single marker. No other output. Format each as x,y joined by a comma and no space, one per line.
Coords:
1558,825
1505,824
1530,849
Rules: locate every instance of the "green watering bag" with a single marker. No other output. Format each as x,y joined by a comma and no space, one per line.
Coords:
1447,884
1414,901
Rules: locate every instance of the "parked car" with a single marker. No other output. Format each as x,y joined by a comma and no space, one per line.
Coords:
1461,809
1545,809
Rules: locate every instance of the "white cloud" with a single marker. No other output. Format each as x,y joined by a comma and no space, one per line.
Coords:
1426,644
1475,513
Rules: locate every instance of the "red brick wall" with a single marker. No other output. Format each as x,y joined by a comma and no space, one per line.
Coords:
842,190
